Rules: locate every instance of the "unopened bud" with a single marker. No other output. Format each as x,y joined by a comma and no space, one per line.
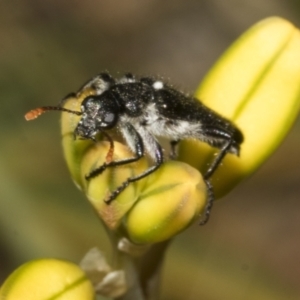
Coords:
174,196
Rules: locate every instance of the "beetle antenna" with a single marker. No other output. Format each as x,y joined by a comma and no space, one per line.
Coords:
34,113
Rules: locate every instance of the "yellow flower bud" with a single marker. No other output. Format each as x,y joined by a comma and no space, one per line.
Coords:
99,188
174,196
47,279
256,85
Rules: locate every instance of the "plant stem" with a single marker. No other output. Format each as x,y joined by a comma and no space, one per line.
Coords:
143,273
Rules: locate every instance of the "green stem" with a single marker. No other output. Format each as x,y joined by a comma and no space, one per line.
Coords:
143,273
150,269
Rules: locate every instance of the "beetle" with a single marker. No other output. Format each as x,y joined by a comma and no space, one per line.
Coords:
144,109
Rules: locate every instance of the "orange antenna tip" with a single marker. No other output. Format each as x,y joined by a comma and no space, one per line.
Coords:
33,114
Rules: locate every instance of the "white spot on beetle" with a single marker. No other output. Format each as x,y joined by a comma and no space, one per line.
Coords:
158,85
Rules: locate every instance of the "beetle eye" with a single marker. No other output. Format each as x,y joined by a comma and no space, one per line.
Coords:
90,104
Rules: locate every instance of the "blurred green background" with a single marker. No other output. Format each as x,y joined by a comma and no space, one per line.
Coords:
250,249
